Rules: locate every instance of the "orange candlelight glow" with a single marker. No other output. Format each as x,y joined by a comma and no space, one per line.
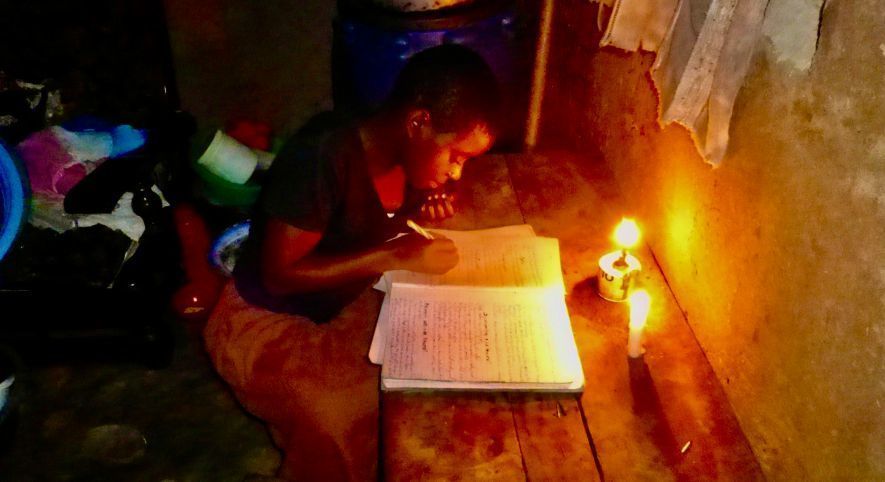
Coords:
618,268
627,233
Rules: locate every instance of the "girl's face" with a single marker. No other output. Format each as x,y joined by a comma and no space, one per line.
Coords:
432,158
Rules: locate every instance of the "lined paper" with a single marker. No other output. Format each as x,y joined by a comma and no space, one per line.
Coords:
506,336
515,262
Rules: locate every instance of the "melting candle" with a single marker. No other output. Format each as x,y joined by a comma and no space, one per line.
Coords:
639,304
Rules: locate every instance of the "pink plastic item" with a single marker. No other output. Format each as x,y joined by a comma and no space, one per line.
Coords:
51,169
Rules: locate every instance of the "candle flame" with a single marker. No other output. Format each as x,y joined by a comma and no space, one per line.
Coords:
639,305
627,233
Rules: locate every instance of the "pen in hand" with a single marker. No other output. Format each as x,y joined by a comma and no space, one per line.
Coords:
418,229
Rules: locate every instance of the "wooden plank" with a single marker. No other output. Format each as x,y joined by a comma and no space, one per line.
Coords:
552,438
640,412
449,436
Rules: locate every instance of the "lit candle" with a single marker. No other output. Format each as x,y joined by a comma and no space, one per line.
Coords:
626,234
639,304
617,269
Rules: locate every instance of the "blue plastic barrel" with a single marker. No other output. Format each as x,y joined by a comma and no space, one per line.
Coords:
13,195
372,47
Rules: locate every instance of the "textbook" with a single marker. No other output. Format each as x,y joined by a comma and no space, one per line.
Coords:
497,321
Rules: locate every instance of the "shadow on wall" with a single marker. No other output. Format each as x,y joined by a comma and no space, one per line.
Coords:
265,61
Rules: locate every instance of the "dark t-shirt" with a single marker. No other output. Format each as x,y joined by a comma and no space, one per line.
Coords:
319,184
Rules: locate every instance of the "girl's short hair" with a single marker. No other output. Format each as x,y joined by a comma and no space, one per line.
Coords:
454,84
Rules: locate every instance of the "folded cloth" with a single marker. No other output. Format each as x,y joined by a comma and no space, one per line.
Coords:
85,146
57,159
636,24
51,168
127,139
699,75
698,71
49,212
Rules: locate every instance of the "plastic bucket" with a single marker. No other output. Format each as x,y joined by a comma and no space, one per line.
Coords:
13,197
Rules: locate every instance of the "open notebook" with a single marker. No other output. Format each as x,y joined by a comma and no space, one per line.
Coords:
497,321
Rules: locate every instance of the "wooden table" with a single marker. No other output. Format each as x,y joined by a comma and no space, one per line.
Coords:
634,417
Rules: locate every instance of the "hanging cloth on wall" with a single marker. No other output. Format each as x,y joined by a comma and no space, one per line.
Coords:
698,89
635,24
698,70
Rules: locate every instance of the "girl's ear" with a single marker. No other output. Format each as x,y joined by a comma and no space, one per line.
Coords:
418,123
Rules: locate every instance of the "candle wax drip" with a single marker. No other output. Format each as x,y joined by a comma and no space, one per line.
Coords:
621,263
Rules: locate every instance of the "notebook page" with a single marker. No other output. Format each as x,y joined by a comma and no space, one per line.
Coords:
461,238
476,336
513,262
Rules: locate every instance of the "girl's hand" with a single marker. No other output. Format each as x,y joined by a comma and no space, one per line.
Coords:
414,253
438,206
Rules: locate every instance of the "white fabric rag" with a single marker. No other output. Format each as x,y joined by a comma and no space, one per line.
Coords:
698,90
50,213
635,24
698,70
